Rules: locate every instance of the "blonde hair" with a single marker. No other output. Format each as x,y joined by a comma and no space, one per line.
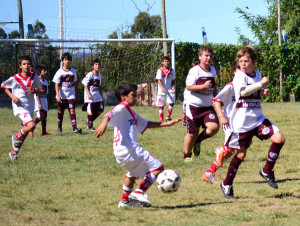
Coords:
246,51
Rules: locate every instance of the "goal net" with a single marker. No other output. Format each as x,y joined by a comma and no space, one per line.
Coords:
122,60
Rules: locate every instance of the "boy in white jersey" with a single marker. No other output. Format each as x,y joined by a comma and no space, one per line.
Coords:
66,89
41,101
201,87
248,120
137,161
23,85
93,101
165,77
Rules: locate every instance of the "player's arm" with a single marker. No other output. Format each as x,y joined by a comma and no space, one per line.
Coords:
173,86
161,86
218,107
248,90
76,91
163,124
88,92
58,98
39,101
39,92
101,128
15,99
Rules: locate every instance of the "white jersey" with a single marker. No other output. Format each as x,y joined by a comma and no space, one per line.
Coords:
127,124
19,86
93,82
198,76
66,81
43,98
248,113
166,77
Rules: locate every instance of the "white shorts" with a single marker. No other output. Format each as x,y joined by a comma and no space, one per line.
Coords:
162,99
25,116
137,163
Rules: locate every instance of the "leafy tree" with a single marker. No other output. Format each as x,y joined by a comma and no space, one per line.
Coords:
2,33
265,27
39,30
14,34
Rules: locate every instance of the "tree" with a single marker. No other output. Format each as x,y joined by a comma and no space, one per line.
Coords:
39,30
2,33
265,27
14,34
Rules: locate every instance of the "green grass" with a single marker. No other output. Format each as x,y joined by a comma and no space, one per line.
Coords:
74,179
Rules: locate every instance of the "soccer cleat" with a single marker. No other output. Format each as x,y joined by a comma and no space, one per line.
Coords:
16,143
220,155
188,159
270,178
77,130
91,129
31,133
59,130
168,119
129,204
210,178
183,123
13,155
227,191
197,149
46,134
140,198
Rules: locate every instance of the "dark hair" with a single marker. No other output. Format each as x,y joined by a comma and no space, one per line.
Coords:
205,49
40,67
166,58
124,89
66,56
246,51
25,58
95,61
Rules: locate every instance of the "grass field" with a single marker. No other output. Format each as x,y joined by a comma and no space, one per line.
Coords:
72,179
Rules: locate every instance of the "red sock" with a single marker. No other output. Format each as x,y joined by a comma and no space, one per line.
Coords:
146,183
170,109
126,193
161,115
20,135
213,168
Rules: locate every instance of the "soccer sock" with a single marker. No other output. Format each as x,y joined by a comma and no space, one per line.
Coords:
272,157
73,120
170,109
90,121
213,168
37,120
20,135
185,155
145,184
183,115
126,193
60,117
95,116
202,136
161,115
232,170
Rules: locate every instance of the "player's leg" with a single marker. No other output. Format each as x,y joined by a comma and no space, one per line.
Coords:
61,106
127,190
189,141
44,115
71,107
171,102
90,120
160,103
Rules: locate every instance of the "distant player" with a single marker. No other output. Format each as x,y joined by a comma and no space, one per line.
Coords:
41,101
23,85
166,88
201,87
248,120
137,161
66,89
93,101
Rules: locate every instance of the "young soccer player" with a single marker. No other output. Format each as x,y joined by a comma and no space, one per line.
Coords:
248,120
66,89
41,101
23,85
137,161
201,87
93,101
166,88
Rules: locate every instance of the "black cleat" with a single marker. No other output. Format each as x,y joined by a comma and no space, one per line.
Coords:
77,130
227,191
270,178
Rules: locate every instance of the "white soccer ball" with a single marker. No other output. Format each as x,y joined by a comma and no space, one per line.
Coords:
168,181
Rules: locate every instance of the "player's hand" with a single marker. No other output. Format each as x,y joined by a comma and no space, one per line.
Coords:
40,106
224,122
164,90
174,121
266,92
58,98
173,91
207,84
90,97
100,130
30,90
264,80
16,100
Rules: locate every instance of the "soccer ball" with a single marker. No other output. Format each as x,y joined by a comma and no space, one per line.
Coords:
168,181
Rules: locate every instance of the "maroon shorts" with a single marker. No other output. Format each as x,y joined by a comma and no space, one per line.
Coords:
201,116
66,104
243,140
94,107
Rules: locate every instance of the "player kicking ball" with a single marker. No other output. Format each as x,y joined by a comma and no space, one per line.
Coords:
137,161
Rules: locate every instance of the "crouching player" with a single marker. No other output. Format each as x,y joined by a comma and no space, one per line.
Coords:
23,85
138,162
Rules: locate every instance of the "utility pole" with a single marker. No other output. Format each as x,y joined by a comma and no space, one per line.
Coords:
164,26
61,27
21,25
279,43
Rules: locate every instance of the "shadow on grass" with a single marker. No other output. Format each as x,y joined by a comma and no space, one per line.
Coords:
188,206
278,181
285,195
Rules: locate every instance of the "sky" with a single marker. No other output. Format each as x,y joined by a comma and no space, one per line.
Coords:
99,18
